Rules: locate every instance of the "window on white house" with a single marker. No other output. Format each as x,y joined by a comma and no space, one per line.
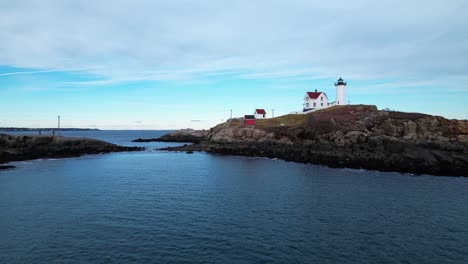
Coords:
307,105
321,98
321,104
315,104
307,98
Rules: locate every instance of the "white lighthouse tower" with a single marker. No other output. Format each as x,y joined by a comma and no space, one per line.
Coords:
340,92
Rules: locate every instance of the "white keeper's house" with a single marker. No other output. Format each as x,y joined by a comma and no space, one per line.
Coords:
315,100
318,100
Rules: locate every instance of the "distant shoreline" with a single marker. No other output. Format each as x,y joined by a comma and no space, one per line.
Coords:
23,129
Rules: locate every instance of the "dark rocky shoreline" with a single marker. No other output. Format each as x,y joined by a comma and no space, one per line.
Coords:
360,137
324,155
20,148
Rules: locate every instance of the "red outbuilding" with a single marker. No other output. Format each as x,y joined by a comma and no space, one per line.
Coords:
249,120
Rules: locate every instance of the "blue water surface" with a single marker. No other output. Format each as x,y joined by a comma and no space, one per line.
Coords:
171,207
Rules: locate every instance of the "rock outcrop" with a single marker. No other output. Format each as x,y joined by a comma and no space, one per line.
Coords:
183,135
7,167
355,136
17,148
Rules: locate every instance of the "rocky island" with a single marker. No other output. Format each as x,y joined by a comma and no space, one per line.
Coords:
183,135
353,136
18,148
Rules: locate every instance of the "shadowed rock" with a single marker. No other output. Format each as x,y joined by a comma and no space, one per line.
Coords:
17,148
7,167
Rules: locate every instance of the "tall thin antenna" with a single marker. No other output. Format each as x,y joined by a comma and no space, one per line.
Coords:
272,113
58,126
231,113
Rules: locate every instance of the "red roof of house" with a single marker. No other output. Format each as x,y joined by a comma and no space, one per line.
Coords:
314,95
260,111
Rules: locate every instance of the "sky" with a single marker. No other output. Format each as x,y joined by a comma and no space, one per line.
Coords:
146,64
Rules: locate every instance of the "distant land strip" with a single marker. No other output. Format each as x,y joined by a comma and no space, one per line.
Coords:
19,129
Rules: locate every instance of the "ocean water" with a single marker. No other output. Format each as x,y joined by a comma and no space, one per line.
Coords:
168,207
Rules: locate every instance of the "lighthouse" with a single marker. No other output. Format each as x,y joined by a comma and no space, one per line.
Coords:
340,92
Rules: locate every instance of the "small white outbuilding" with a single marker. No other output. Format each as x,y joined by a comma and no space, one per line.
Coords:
260,113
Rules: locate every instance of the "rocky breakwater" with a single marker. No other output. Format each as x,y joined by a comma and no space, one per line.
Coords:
354,136
17,148
183,135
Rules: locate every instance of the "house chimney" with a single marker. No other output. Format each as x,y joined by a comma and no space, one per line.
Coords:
315,90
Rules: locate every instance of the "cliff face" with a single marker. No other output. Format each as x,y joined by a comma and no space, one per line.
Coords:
16,148
357,136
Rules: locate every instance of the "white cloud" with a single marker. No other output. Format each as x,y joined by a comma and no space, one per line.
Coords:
28,72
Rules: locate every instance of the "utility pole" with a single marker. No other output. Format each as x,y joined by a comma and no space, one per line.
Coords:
231,114
58,126
272,113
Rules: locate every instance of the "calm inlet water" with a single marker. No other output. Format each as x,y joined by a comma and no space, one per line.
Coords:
162,207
